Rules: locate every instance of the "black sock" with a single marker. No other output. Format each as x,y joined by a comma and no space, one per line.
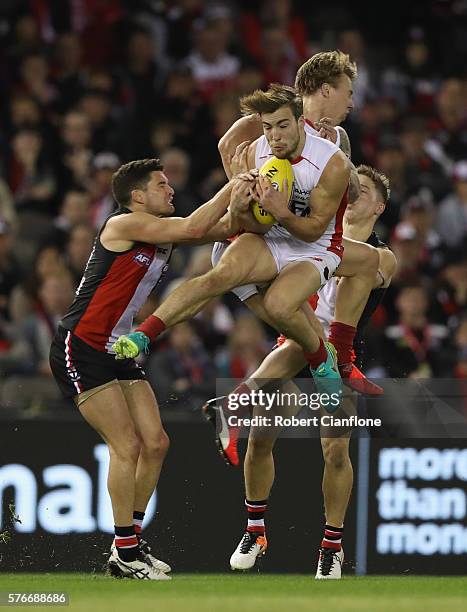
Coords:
126,543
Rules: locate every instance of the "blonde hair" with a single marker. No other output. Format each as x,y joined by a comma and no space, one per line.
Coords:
323,67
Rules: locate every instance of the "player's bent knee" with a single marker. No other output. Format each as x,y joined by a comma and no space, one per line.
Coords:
335,452
277,308
127,450
156,446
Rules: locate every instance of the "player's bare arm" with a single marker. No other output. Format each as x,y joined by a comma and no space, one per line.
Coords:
324,200
387,268
246,128
121,231
339,136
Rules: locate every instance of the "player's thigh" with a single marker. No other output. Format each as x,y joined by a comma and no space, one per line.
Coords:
249,259
285,361
333,429
294,285
357,256
108,413
144,411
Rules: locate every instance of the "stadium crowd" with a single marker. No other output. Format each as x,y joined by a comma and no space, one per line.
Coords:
92,84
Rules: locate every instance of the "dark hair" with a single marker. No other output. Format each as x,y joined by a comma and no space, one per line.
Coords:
133,175
380,181
323,67
271,100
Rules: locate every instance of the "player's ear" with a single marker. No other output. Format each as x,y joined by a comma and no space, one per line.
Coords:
325,90
137,195
380,208
301,121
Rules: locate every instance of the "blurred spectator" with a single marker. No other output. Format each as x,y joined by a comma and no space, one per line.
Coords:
214,68
35,79
100,188
280,12
413,347
419,212
421,170
449,127
48,261
31,175
351,41
30,382
10,272
451,293
246,349
68,75
78,249
277,57
183,371
177,169
96,105
77,152
75,210
452,215
143,76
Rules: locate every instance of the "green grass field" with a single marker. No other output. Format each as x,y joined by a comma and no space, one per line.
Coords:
248,592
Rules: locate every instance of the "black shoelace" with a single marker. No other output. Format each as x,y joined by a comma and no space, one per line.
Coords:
326,561
248,541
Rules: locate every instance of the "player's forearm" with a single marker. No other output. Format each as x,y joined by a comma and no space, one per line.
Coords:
308,229
354,185
245,128
207,215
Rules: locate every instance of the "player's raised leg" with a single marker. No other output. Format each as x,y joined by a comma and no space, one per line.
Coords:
108,413
154,444
247,260
284,301
358,271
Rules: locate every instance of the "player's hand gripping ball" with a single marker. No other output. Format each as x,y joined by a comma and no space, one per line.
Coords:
276,170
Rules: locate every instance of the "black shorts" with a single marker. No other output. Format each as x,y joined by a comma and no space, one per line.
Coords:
78,367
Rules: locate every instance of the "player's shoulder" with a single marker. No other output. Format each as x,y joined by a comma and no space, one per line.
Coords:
317,147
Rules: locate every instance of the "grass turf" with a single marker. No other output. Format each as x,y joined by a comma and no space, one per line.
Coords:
248,592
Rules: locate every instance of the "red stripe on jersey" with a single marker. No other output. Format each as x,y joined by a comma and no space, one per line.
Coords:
112,296
336,240
312,124
300,158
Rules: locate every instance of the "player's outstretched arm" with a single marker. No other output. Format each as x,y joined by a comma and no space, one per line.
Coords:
143,227
247,128
325,199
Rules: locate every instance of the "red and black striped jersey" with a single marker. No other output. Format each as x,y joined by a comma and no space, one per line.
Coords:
113,288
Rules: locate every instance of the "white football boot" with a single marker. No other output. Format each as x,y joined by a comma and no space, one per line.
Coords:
330,564
146,550
250,547
138,570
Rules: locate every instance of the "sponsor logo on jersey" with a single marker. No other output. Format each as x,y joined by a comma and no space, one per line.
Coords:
143,258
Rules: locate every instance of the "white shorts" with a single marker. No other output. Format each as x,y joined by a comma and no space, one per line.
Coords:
287,251
245,291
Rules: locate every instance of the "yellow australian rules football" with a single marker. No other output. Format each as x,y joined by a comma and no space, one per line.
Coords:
276,170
